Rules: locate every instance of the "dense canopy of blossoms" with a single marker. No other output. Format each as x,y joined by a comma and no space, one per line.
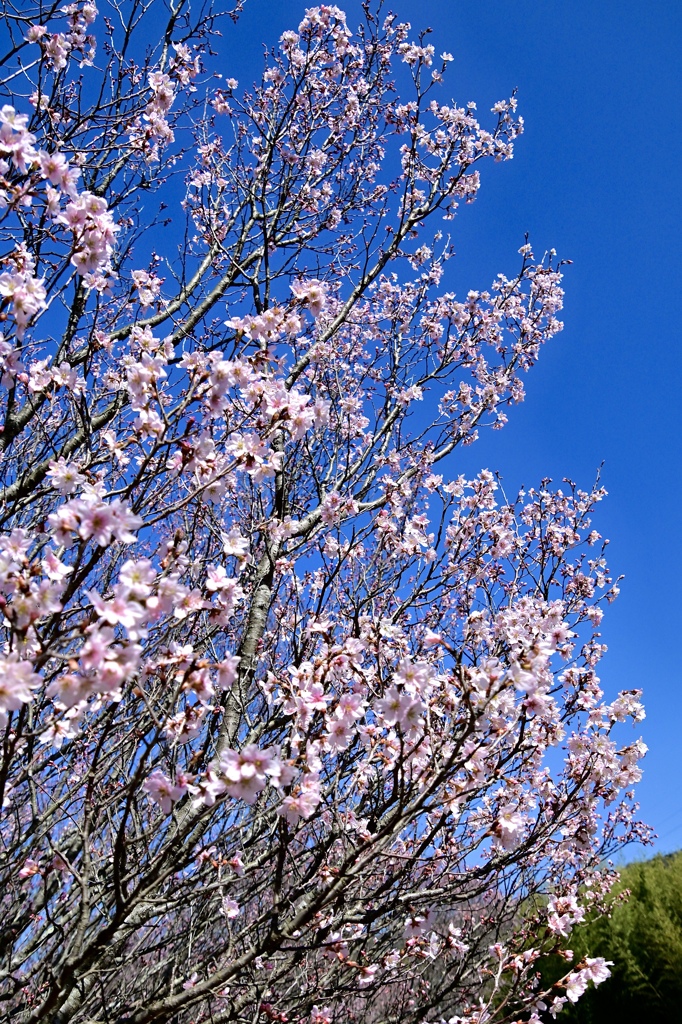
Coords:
298,723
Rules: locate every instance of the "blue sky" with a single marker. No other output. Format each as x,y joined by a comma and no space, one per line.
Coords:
596,176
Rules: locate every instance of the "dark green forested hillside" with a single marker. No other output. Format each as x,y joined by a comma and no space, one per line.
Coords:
643,937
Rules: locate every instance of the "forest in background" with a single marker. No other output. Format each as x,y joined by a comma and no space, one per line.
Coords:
643,938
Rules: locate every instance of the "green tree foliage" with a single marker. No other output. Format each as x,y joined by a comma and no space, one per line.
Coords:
643,938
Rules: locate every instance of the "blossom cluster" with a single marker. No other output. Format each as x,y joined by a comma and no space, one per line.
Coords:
58,47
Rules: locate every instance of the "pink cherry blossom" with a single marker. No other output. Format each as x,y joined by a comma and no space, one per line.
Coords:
66,476
227,671
311,292
163,791
17,682
230,908
303,802
246,771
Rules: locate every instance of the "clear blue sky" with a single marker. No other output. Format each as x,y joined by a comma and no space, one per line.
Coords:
596,176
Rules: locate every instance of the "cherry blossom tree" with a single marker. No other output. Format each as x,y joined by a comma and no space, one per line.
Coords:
298,722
